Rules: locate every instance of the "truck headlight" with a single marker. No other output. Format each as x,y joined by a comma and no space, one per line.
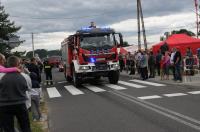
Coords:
84,68
115,66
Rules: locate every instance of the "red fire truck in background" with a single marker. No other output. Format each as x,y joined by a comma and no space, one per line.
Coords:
91,52
54,60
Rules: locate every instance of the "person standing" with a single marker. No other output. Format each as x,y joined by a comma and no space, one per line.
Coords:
158,59
121,62
48,72
177,64
35,97
13,98
4,69
172,62
132,65
152,63
33,67
166,65
143,66
189,60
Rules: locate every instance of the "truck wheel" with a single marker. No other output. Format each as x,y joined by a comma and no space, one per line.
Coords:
113,77
76,80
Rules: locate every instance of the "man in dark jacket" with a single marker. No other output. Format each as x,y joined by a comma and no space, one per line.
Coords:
13,87
33,67
152,64
48,72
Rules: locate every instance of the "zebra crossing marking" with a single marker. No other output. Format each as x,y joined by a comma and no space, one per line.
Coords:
175,94
115,87
53,92
194,92
131,84
149,97
148,83
94,88
73,90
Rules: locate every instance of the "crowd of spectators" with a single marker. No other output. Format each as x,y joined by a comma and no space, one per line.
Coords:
163,63
20,92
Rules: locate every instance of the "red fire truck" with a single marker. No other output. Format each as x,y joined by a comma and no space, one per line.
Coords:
91,52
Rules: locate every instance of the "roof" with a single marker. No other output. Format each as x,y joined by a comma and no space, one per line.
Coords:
181,39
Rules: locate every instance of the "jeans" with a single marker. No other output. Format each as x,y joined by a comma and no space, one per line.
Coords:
35,107
7,114
178,75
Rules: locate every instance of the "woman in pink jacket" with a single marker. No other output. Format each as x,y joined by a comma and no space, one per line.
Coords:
6,70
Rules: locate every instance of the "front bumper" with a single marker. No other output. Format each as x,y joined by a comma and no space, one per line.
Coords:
92,68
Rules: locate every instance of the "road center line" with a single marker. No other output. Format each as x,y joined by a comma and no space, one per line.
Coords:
175,94
191,122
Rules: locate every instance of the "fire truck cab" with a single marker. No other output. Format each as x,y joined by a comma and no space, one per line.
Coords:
91,52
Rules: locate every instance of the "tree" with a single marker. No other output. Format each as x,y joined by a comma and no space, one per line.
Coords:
183,31
7,31
19,54
42,53
54,53
125,44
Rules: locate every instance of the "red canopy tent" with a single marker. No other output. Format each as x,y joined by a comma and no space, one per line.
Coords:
181,41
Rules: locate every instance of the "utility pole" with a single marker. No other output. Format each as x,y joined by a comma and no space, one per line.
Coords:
33,48
141,18
197,15
138,20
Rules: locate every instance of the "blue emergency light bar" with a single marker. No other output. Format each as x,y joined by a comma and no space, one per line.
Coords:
96,29
92,60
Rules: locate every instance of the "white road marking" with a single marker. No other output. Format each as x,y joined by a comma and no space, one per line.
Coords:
116,87
175,94
73,90
161,110
148,83
150,97
53,92
194,92
131,84
62,82
94,88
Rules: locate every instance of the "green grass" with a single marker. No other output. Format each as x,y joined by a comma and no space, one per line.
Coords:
35,126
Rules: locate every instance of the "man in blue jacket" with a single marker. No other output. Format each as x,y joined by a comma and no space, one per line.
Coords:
13,87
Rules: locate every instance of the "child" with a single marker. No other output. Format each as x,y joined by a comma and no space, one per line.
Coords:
35,97
162,67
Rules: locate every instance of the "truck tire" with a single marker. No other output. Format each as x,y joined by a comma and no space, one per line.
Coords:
113,77
76,80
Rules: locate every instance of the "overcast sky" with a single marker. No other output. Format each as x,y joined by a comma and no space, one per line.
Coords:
54,20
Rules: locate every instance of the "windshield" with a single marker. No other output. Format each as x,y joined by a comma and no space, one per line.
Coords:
97,42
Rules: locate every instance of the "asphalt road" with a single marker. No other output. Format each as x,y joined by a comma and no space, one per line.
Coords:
130,106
